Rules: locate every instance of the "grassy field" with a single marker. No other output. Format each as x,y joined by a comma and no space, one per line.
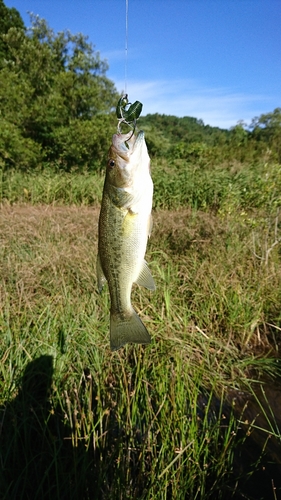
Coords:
168,421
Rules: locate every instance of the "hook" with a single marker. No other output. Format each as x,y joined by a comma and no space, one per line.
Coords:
129,115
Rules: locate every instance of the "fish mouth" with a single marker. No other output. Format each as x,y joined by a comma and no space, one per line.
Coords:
126,144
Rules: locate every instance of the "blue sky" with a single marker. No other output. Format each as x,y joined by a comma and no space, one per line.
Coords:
217,60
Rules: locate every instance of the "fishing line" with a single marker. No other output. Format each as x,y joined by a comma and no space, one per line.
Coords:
126,45
127,112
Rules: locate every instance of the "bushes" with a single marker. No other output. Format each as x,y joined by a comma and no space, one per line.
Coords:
83,144
15,150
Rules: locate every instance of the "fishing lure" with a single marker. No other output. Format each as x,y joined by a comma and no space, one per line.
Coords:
128,115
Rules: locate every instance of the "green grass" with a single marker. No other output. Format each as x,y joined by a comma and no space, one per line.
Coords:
177,183
50,187
160,422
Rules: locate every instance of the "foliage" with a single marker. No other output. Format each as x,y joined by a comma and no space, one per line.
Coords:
186,129
17,151
9,18
189,139
53,89
267,128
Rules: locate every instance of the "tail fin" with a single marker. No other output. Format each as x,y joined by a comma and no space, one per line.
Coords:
129,329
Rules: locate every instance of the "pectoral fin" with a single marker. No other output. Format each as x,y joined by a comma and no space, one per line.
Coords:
100,275
145,279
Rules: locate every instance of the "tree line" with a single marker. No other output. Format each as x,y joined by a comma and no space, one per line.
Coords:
57,107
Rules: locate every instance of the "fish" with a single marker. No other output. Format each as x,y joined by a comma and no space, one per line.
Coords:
125,224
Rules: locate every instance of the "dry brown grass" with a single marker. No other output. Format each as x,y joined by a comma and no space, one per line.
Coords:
36,240
50,251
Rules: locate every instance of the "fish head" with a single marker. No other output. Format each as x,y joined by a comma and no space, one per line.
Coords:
128,160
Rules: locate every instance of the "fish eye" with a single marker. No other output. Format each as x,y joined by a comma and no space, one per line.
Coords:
111,163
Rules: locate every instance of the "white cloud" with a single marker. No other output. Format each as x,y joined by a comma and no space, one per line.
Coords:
222,107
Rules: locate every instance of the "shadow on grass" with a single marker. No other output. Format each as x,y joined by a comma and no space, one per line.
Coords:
37,458
256,465
259,462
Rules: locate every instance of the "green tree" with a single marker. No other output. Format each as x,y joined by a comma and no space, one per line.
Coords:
267,128
9,18
55,90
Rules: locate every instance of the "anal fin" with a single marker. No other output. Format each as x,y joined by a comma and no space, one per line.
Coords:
145,278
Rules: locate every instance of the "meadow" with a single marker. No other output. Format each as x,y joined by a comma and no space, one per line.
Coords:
194,415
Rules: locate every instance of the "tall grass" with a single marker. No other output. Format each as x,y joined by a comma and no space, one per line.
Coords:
50,186
177,184
77,421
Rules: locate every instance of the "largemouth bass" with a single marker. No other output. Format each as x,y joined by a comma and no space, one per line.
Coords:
124,227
